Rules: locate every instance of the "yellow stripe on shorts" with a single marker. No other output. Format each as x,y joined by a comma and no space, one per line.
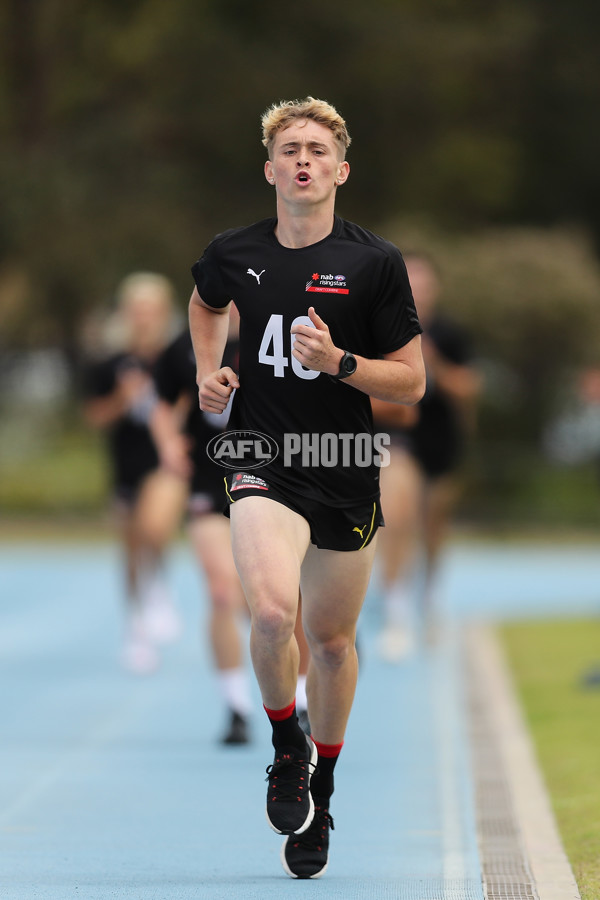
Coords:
364,543
227,490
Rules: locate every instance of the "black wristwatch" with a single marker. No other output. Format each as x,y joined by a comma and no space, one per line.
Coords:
347,367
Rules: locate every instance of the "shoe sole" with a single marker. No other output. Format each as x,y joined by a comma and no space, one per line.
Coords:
289,872
314,755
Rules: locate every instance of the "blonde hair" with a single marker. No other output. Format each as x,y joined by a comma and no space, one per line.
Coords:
147,290
281,115
145,283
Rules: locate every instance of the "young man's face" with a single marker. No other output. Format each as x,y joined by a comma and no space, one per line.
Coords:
306,164
425,287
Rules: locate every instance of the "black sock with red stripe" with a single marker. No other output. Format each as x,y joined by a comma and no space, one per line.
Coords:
286,730
321,785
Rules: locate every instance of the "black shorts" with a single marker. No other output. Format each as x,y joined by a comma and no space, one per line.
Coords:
331,527
126,495
436,458
207,492
127,487
437,438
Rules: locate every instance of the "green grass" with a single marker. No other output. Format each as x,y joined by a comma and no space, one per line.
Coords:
64,471
548,660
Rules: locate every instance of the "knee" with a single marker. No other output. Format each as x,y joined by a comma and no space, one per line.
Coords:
273,623
332,652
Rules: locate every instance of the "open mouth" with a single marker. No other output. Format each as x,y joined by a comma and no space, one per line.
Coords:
303,178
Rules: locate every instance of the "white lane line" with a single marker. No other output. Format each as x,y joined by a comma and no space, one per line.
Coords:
454,771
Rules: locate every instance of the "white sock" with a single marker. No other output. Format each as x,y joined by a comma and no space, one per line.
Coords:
154,587
301,701
397,604
235,689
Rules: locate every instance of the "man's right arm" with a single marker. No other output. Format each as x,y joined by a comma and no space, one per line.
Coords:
208,328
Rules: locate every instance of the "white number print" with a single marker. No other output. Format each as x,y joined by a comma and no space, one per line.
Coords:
273,335
273,338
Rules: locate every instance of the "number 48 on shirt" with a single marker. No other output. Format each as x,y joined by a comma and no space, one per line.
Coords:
273,338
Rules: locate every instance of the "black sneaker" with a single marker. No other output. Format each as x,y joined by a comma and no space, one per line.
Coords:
238,731
303,721
306,855
290,807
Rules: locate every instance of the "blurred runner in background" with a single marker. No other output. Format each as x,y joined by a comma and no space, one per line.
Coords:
182,432
420,487
120,398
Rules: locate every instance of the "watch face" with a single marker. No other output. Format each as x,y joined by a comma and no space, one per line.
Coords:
349,364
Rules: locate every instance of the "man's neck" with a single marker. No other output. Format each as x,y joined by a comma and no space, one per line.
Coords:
296,230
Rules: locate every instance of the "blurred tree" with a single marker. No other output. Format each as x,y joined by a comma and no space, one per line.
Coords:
129,129
561,127
129,135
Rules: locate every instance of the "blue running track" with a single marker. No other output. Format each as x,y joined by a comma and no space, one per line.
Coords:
113,786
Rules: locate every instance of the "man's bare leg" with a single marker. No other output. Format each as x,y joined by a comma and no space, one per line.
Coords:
269,542
334,585
301,698
212,546
398,543
402,495
333,588
440,500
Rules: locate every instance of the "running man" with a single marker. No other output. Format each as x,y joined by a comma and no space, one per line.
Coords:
120,398
182,432
307,519
421,485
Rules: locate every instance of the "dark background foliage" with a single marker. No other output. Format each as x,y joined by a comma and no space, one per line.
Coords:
129,135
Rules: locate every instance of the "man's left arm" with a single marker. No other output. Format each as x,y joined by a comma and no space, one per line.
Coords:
398,378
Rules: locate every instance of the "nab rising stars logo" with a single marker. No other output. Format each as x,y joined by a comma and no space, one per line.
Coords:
327,284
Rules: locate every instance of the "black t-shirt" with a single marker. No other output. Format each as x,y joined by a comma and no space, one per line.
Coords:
452,343
437,438
450,339
358,284
131,448
175,376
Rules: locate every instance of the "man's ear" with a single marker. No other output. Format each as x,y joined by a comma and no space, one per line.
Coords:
269,172
343,172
